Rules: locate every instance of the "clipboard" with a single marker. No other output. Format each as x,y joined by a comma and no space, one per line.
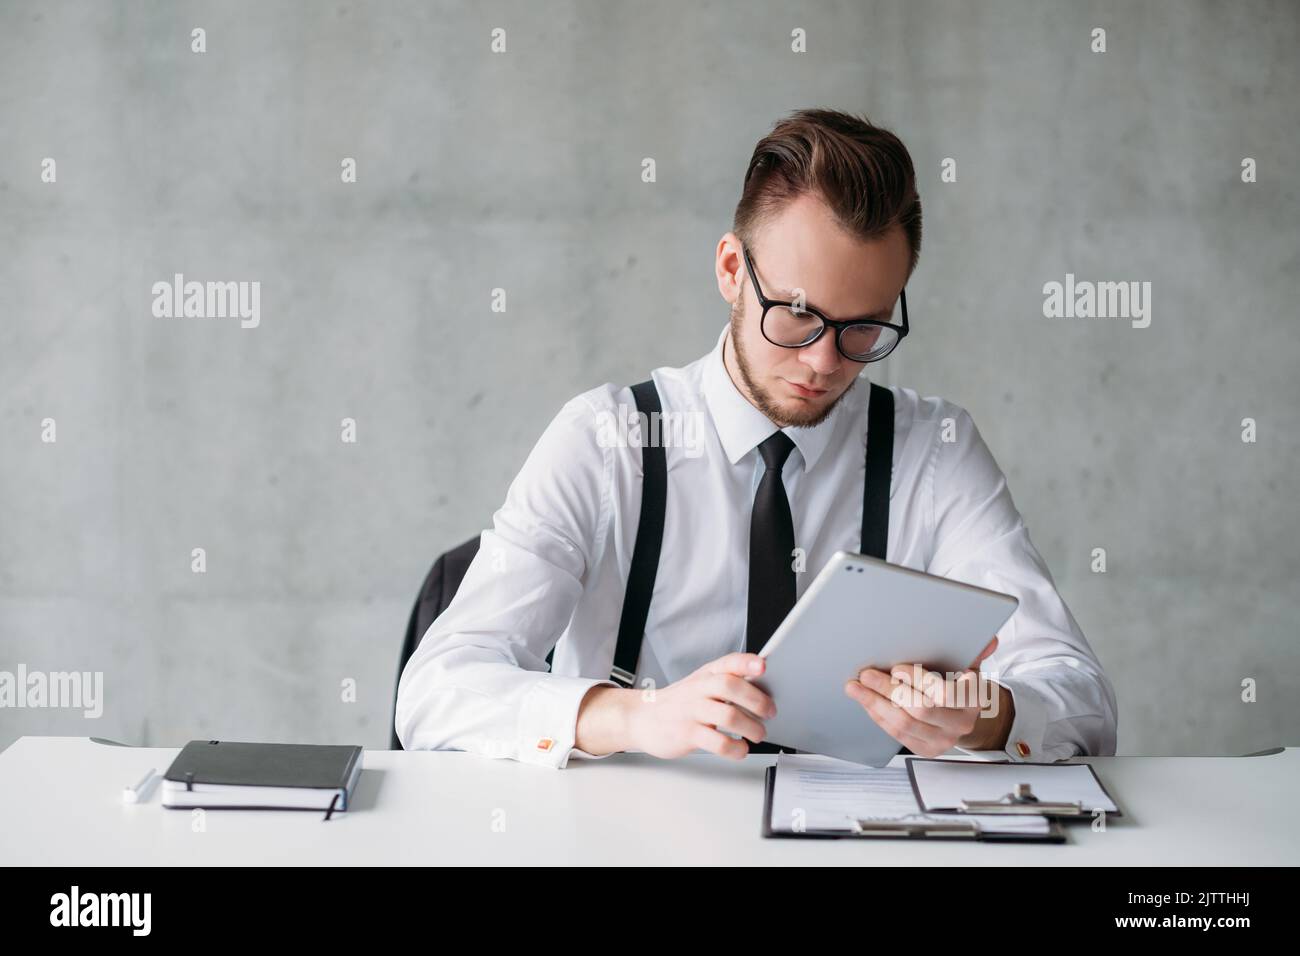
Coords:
1019,802
957,829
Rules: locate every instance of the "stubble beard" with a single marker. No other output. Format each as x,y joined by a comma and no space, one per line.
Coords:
761,397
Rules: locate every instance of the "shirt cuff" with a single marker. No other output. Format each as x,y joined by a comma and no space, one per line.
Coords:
548,720
1027,738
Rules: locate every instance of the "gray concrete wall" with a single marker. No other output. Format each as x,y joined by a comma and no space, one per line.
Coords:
522,171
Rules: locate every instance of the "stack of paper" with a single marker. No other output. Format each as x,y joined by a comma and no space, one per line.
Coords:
813,792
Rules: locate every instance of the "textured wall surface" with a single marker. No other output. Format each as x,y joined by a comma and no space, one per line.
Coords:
522,170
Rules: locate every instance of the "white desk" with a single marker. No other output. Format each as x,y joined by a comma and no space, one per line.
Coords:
60,804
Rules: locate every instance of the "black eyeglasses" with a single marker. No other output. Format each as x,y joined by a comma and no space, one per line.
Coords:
859,340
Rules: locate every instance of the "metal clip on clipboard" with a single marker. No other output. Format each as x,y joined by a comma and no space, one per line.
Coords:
916,827
1023,801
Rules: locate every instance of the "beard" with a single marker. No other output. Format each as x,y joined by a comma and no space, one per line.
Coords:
783,417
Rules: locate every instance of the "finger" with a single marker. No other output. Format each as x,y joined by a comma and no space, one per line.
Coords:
736,690
730,718
930,683
937,708
739,663
716,742
913,702
962,691
953,721
867,697
950,704
913,674
992,646
914,734
894,720
876,680
905,695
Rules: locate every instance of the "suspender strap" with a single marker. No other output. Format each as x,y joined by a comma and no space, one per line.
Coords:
880,461
649,538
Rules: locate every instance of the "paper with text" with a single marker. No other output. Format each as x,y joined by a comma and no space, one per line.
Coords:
812,792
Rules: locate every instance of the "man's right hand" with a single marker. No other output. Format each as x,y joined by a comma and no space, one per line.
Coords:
691,714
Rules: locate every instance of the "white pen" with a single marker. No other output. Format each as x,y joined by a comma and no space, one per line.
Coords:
133,794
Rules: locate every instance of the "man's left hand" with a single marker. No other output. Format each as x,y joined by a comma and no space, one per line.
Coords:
930,714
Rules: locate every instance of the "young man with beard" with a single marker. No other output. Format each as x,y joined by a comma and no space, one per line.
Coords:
825,237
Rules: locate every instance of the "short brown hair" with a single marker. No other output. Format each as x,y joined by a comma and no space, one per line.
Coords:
862,172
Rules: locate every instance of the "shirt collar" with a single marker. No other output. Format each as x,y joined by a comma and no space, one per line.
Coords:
741,426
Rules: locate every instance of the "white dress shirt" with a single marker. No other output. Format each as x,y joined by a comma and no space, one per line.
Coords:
554,565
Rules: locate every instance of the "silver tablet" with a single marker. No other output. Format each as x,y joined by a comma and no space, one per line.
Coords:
863,612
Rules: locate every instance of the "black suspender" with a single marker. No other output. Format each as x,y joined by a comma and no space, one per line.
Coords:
649,539
654,501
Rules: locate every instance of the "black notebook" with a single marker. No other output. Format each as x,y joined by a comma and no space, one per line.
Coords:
250,776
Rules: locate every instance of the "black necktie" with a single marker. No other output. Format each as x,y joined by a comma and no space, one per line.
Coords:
771,547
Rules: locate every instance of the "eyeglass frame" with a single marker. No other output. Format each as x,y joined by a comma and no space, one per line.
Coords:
838,325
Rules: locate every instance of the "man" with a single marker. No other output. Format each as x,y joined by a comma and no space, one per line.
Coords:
771,432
